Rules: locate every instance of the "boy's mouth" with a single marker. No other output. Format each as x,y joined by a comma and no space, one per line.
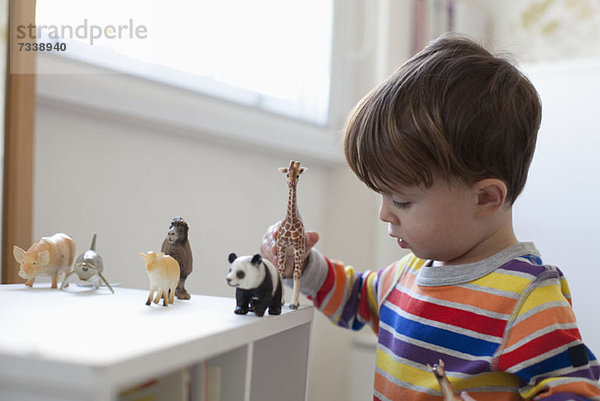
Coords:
401,243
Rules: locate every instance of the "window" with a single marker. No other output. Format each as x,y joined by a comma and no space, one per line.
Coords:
271,54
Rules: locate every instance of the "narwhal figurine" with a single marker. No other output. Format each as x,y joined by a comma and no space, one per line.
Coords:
89,267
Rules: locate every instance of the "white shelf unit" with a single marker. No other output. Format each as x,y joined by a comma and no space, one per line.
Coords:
85,344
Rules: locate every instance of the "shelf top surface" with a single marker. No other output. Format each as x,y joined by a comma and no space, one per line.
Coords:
84,326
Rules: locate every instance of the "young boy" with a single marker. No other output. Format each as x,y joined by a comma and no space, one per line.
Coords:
447,141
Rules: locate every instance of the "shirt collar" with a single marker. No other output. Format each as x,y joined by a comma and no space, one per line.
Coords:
459,274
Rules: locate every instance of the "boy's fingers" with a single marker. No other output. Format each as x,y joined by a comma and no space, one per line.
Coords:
268,246
274,229
312,237
466,397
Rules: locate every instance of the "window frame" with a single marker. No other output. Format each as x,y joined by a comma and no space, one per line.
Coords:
171,109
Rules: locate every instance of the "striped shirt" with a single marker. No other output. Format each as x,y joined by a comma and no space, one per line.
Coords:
504,327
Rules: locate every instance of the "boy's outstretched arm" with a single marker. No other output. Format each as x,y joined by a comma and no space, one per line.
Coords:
544,347
348,298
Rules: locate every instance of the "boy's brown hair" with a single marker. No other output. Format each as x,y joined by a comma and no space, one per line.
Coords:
454,111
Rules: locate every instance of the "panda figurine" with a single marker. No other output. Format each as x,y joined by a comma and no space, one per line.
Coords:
258,285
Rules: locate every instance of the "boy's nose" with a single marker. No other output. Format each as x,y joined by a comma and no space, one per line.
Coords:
382,214
385,214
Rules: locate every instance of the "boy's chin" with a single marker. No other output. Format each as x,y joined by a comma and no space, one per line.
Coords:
421,254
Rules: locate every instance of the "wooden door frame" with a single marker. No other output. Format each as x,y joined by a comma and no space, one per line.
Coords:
17,196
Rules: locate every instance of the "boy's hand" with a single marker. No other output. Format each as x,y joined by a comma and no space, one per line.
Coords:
268,245
445,386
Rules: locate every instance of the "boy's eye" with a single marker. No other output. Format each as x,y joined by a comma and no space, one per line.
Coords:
400,205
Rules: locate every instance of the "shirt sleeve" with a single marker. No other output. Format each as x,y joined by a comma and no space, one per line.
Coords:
350,299
543,346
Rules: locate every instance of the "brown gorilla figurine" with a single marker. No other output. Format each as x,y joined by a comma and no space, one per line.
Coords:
177,245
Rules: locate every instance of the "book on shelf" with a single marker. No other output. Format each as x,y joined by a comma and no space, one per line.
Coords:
199,383
173,386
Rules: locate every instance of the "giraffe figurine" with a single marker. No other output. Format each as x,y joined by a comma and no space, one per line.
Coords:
290,238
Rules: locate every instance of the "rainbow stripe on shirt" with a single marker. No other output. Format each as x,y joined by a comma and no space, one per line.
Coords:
509,335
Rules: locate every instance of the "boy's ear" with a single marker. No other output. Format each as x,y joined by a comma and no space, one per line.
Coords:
491,194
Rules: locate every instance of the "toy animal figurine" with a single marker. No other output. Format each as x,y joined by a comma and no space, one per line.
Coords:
440,374
88,267
177,245
258,285
290,237
52,256
163,273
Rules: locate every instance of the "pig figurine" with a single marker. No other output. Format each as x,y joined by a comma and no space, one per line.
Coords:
163,273
49,255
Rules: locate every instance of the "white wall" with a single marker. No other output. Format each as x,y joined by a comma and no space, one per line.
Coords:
127,183
559,208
